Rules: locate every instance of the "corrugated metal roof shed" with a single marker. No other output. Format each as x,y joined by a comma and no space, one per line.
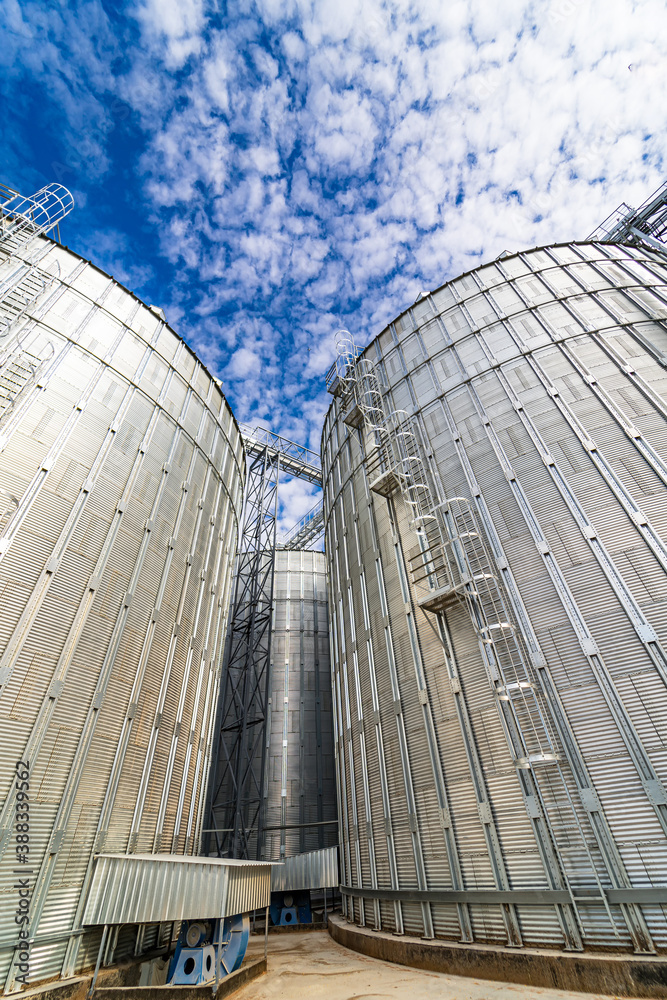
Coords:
146,888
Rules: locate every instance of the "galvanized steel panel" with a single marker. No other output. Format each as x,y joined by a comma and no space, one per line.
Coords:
300,796
550,420
314,870
144,888
115,562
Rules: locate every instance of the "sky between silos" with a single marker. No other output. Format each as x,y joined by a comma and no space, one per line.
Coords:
269,171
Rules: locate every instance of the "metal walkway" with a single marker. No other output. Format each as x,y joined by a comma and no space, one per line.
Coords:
644,225
295,460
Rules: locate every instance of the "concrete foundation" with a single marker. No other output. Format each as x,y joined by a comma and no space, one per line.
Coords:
615,975
121,982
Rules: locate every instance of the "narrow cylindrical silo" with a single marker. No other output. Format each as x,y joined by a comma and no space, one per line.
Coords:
495,473
299,783
121,475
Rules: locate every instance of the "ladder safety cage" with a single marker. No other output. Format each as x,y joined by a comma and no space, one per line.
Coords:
22,291
24,351
23,217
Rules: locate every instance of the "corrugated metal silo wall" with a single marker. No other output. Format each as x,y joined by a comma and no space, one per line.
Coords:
538,386
122,472
300,790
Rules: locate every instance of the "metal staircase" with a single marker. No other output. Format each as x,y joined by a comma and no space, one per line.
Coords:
23,292
515,684
20,363
22,219
646,225
19,372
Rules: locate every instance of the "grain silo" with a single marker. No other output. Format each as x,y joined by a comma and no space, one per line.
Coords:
122,472
495,472
299,789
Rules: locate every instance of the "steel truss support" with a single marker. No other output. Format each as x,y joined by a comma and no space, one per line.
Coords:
235,813
295,459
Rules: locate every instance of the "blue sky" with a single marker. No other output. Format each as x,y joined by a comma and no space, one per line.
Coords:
269,171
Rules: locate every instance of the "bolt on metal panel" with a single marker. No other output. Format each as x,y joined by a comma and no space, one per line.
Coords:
299,792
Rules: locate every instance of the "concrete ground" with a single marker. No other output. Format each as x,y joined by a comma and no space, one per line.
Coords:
311,965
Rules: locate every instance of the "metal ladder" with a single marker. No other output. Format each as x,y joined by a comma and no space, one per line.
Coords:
22,217
516,687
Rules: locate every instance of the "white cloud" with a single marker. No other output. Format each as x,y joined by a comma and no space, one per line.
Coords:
178,22
243,363
307,165
297,498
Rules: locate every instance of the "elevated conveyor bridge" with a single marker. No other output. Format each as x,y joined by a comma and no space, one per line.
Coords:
295,460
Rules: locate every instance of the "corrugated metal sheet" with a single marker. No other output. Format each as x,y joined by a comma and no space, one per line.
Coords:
549,418
300,793
126,469
314,870
147,889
